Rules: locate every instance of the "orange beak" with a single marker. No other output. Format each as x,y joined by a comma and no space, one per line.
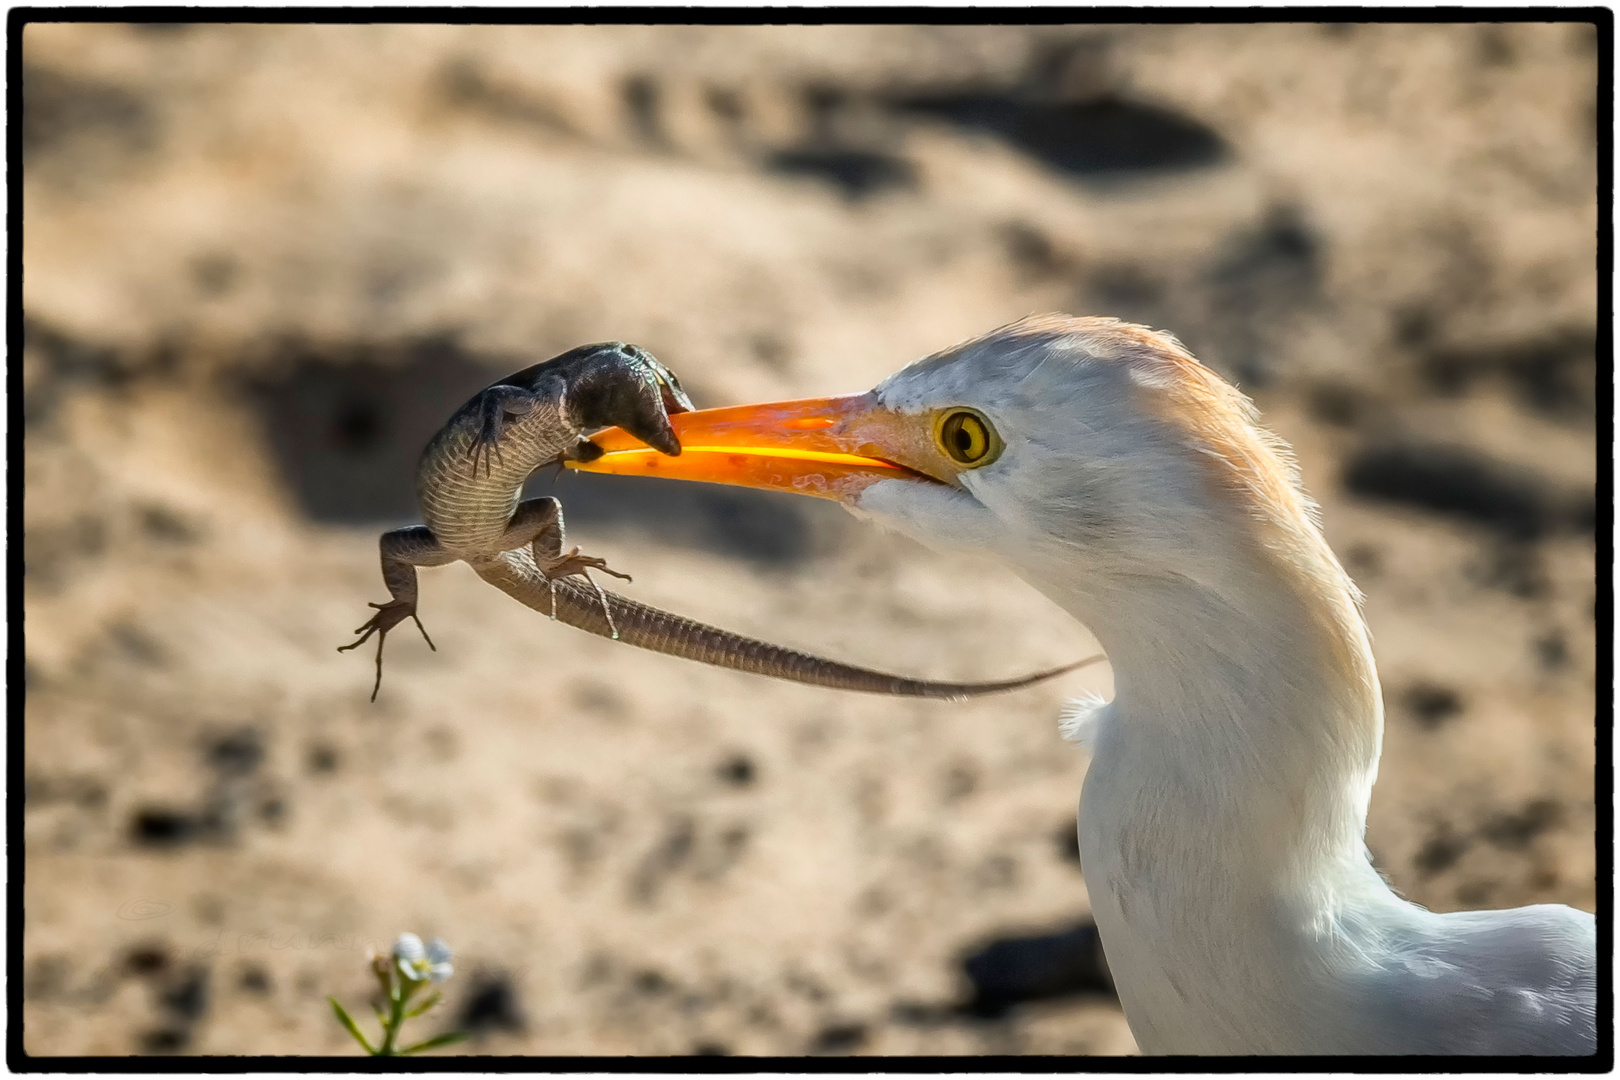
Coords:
832,448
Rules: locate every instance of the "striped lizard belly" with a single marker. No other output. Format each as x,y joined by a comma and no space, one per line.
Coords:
469,515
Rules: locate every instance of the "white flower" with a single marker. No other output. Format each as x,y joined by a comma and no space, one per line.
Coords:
417,963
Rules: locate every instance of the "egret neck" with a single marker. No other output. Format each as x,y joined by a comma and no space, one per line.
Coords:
1228,788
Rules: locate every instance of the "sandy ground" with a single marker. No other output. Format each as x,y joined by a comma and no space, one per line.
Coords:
263,264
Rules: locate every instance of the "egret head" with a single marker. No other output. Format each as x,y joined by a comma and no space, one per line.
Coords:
1092,459
1089,444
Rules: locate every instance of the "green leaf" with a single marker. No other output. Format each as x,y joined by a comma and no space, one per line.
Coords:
348,1021
428,1003
437,1041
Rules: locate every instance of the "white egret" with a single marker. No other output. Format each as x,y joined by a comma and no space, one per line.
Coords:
1222,817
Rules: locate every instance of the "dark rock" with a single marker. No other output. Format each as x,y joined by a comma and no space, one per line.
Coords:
1067,838
273,811
467,86
164,524
46,978
166,1040
188,998
322,758
1552,650
238,753
1513,565
1017,969
858,174
665,858
1031,250
1515,830
1554,373
491,1003
1262,275
651,983
1104,137
135,644
643,106
921,1014
839,1039
738,771
68,115
1337,405
1440,852
1431,705
215,274
1460,483
162,827
254,979
149,959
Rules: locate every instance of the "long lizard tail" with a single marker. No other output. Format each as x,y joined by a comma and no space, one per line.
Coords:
580,605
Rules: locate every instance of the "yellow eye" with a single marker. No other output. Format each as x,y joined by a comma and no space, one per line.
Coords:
967,438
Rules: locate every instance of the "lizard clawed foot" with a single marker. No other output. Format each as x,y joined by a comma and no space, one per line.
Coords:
488,447
388,616
574,564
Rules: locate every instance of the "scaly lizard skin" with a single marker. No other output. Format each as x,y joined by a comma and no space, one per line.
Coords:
468,484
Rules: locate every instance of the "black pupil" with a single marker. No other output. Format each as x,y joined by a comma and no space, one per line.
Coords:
961,437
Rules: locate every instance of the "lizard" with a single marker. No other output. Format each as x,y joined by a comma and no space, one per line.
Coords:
469,486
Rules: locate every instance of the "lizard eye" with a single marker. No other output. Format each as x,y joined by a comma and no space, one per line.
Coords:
967,438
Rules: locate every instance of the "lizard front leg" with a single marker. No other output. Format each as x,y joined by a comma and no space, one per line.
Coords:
403,550
539,524
498,406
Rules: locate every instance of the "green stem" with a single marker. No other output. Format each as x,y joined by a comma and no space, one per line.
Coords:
391,1028
396,1016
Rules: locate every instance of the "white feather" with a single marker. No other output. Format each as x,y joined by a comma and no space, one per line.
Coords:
1080,718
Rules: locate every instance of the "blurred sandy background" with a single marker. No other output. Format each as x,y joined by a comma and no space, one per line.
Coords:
263,264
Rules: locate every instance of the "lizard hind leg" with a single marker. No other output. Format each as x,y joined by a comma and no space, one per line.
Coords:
388,616
539,523
575,564
402,550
